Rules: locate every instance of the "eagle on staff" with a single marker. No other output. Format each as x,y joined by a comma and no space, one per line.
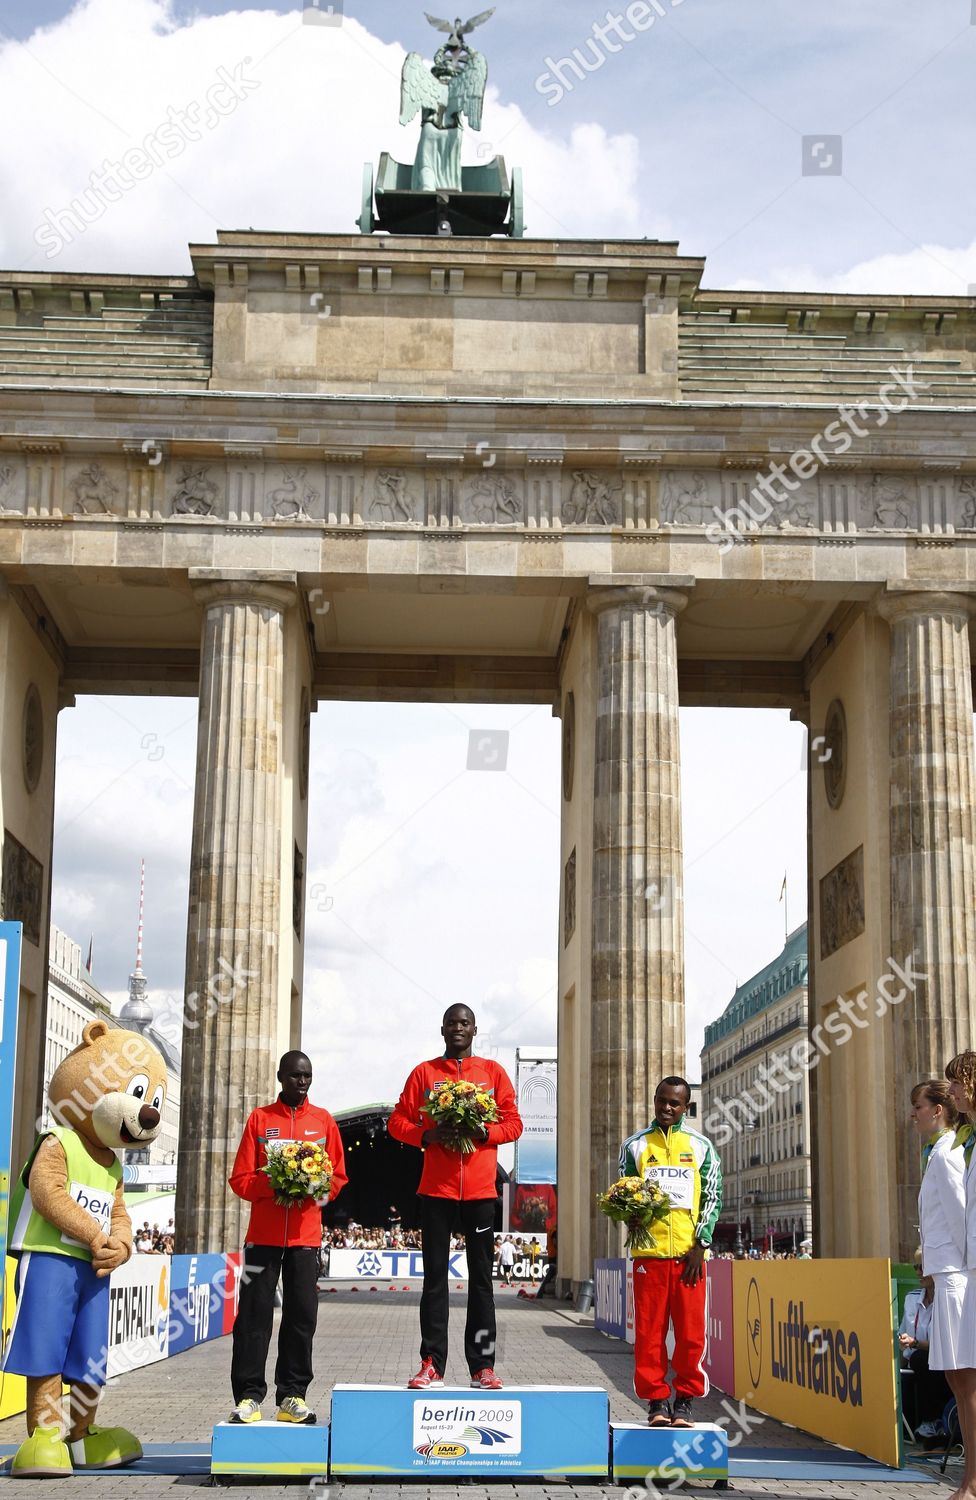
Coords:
453,88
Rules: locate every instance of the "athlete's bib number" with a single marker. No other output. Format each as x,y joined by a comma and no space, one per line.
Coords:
677,1182
94,1201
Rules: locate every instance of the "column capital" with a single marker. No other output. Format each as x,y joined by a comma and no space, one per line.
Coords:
657,592
904,598
277,590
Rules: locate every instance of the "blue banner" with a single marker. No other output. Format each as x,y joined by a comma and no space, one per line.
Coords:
11,936
198,1288
610,1297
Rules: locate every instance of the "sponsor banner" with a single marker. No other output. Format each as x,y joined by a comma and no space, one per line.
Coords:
535,1150
197,1295
138,1319
610,1297
389,1265
10,941
814,1345
232,1286
523,1270
13,1388
720,1325
629,1327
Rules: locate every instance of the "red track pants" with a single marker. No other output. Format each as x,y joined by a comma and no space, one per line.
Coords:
661,1298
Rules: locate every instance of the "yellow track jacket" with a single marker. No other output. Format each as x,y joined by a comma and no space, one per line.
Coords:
686,1166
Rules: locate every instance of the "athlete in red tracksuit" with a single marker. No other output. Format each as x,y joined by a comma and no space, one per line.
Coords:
283,1241
455,1186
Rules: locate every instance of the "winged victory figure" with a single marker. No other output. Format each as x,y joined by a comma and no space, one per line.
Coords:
452,88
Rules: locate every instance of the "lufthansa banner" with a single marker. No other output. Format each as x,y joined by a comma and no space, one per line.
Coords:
814,1346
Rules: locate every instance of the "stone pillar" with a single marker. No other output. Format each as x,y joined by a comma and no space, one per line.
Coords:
637,1033
233,938
933,853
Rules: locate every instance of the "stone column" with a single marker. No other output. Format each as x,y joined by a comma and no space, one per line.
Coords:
933,854
233,938
637,1033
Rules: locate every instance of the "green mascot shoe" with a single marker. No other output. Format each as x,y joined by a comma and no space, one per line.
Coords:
43,1456
105,1448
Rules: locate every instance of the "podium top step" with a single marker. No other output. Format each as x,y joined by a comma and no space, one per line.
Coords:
644,1427
465,1390
270,1422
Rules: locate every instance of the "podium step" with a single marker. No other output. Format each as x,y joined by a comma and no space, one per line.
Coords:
699,1453
269,1448
451,1430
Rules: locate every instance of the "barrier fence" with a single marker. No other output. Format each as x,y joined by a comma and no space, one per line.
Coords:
159,1305
811,1343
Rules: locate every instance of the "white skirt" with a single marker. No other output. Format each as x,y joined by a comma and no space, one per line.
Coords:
952,1341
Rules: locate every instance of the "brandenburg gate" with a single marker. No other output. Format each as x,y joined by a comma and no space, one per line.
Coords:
444,468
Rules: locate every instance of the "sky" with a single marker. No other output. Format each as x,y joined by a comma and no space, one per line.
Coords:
795,146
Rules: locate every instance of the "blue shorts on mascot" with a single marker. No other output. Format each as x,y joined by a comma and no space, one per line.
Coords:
69,1230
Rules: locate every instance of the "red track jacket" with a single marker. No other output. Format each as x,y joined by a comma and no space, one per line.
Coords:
301,1223
448,1174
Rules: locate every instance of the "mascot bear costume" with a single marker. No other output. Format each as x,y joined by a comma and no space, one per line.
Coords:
69,1229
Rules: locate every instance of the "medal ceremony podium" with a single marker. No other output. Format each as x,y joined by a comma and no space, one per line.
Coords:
522,1431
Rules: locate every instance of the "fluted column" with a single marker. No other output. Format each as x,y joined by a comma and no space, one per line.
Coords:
233,938
933,853
637,980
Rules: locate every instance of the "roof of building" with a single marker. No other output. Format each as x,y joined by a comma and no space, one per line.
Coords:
782,974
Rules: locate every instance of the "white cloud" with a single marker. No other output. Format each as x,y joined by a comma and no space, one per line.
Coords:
251,119
927,270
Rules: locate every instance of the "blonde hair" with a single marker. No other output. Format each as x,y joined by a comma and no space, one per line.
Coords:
962,1069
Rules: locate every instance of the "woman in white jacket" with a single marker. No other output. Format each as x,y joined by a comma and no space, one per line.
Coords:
941,1219
961,1073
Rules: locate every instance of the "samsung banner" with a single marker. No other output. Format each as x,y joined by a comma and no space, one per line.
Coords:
535,1084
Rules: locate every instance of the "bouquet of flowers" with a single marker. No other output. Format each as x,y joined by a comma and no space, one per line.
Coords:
463,1107
638,1204
298,1170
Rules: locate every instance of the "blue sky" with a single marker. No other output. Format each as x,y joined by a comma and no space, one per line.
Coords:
694,130
445,886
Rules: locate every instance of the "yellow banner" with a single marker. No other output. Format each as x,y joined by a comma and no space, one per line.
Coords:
13,1388
814,1346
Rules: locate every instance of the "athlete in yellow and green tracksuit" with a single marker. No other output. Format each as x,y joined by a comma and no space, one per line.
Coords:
669,1279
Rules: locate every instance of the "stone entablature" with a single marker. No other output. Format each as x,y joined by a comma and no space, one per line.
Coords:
545,494
396,315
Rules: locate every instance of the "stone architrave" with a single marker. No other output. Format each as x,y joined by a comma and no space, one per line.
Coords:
230,1016
932,852
637,986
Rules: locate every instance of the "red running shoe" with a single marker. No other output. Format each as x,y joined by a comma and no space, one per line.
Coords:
425,1377
486,1380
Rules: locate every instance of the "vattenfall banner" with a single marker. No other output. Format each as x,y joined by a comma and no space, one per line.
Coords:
814,1346
535,1150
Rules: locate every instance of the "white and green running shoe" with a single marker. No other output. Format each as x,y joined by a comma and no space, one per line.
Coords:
294,1409
246,1411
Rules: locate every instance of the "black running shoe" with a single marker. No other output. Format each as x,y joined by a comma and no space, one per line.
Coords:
682,1417
659,1413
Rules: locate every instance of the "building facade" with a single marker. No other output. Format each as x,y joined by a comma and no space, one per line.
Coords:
756,1104
558,472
